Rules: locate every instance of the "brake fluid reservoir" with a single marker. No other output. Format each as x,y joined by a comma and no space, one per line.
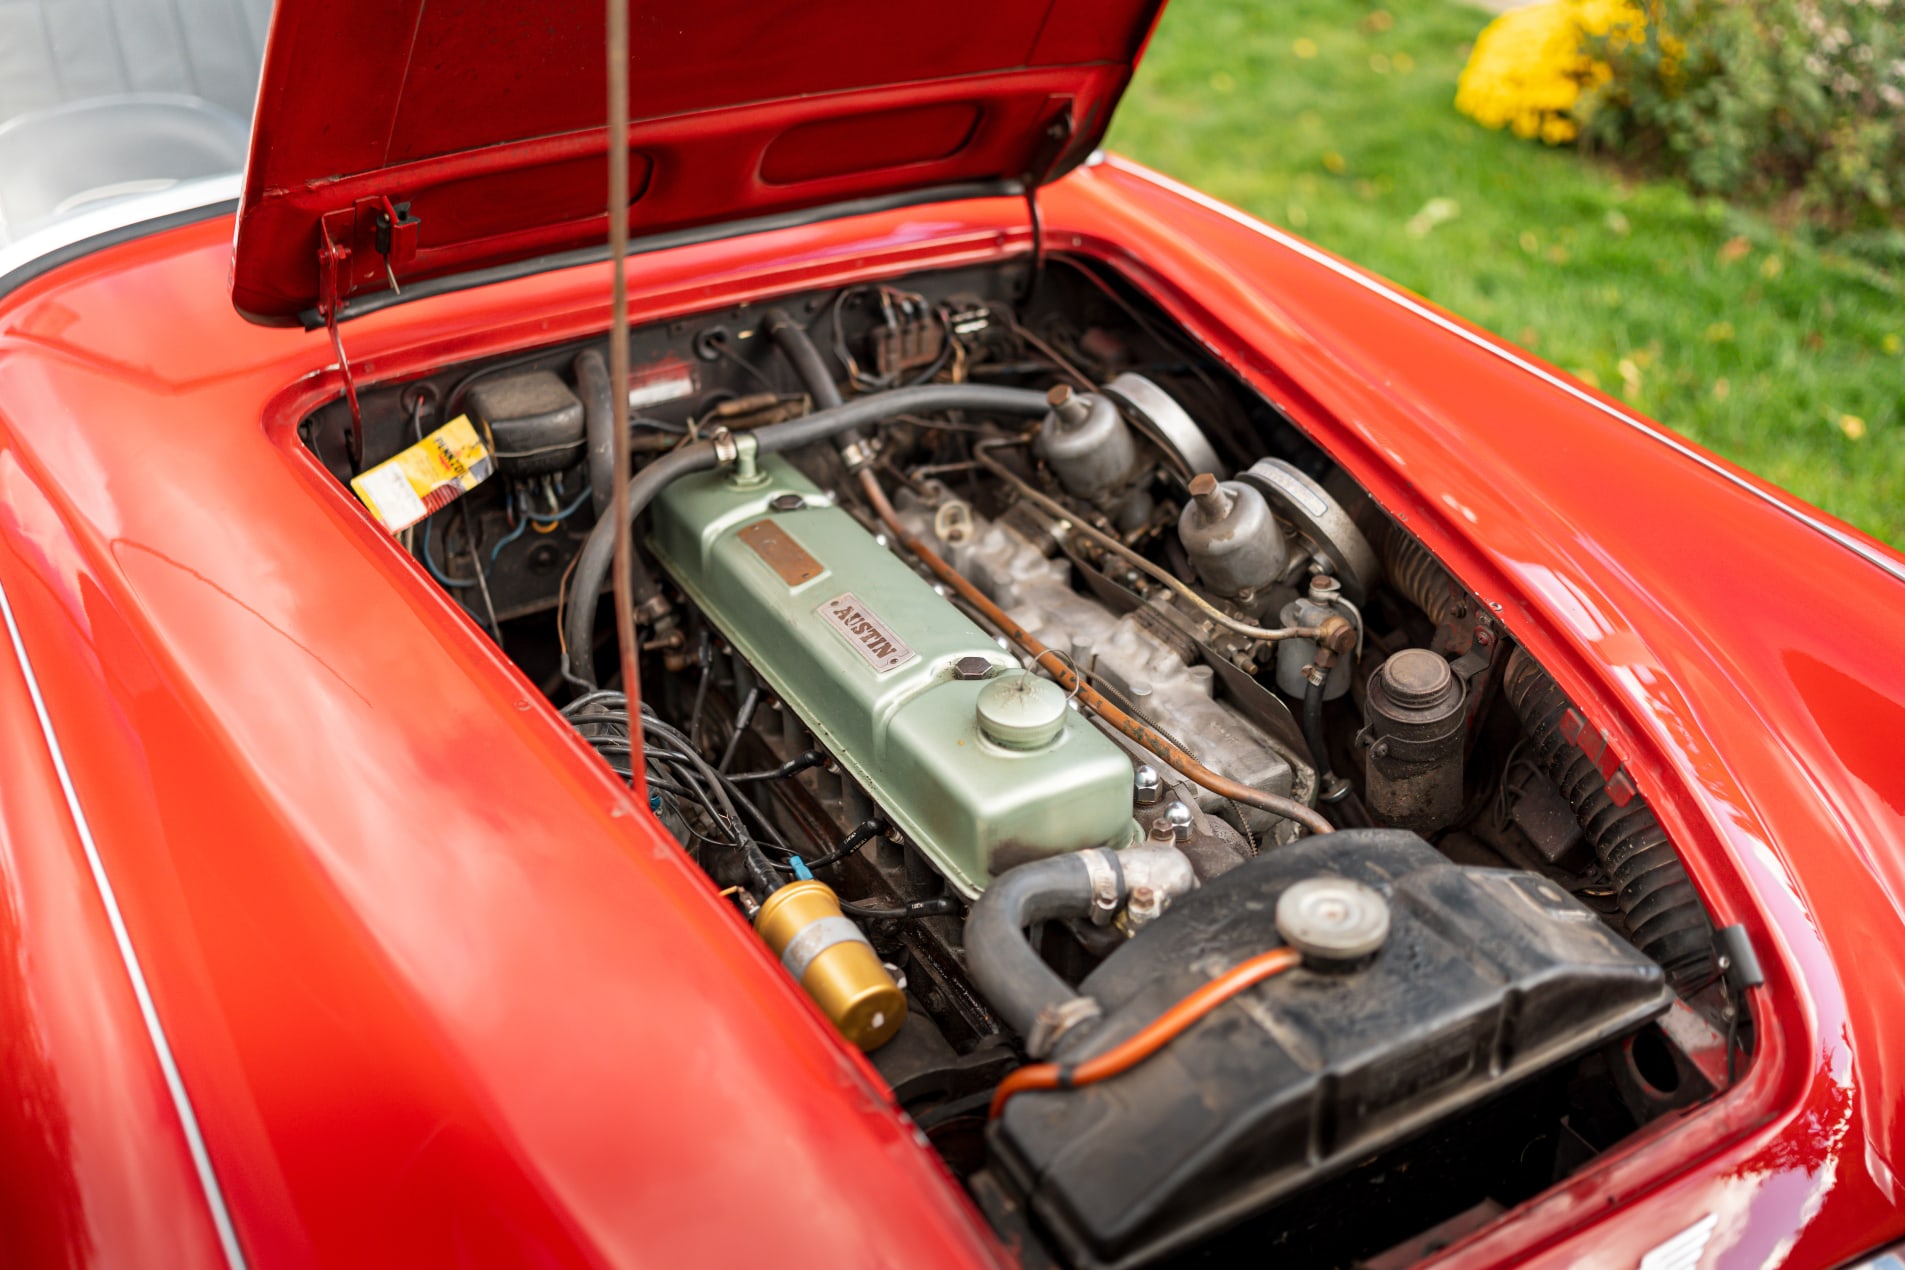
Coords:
979,773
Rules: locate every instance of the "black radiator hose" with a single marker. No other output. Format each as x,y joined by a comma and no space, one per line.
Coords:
799,350
1662,911
1003,965
592,566
598,416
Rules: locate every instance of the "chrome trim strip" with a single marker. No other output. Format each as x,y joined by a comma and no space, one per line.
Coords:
111,222
188,1120
1863,550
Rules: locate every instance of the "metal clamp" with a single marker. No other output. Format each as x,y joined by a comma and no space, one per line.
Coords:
1107,883
816,938
1054,1021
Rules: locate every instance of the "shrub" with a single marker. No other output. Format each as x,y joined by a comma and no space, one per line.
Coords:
1762,97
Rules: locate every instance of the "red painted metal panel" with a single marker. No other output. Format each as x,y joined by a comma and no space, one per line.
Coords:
487,117
439,991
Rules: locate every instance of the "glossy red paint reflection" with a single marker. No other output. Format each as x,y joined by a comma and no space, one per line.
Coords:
439,990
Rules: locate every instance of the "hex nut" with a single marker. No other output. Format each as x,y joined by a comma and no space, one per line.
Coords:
974,667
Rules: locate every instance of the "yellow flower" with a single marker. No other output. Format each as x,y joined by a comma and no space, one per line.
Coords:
1304,47
1889,342
1852,426
1530,65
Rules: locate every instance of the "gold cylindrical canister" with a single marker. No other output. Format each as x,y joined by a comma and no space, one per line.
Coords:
832,960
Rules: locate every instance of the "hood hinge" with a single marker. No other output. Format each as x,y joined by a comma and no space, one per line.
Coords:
347,241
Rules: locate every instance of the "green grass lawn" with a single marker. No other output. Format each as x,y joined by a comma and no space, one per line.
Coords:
1333,118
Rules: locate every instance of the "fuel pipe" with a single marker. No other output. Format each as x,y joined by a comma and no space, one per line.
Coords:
1336,637
1069,678
1160,1032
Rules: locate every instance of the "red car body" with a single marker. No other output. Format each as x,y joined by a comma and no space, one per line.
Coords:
327,942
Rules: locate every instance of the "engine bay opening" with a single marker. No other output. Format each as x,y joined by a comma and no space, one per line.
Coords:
1201,863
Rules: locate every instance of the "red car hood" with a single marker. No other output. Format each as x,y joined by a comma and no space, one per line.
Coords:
427,140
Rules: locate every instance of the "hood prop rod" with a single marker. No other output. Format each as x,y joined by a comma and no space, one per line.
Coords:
622,569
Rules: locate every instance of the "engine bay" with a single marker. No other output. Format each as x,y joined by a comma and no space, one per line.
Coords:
1202,865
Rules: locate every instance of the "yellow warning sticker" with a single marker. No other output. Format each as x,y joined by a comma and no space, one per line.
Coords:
427,477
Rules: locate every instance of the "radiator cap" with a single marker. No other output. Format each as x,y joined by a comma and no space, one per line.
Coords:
1332,919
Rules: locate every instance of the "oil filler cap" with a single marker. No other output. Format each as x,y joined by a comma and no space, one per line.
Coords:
1333,921
1022,711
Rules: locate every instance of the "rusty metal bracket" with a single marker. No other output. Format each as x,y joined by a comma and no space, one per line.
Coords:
333,262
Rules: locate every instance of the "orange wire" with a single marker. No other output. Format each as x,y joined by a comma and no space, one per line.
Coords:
1154,1036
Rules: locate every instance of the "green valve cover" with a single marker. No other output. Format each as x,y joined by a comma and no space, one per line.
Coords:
863,649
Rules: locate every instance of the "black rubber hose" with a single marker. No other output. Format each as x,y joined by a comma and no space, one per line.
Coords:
592,567
598,414
1313,735
1334,796
1003,966
799,350
1662,910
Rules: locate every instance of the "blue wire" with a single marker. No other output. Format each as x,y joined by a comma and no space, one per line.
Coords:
429,562
562,515
508,538
523,524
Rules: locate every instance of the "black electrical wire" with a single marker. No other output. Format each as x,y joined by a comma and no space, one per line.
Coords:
482,574
704,658
793,766
760,868
938,906
742,717
739,799
861,834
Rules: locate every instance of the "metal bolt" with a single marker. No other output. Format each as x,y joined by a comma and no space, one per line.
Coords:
787,503
1212,499
974,667
1068,406
1484,636
1147,785
1182,823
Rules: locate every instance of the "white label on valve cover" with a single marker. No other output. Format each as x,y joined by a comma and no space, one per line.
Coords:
872,638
